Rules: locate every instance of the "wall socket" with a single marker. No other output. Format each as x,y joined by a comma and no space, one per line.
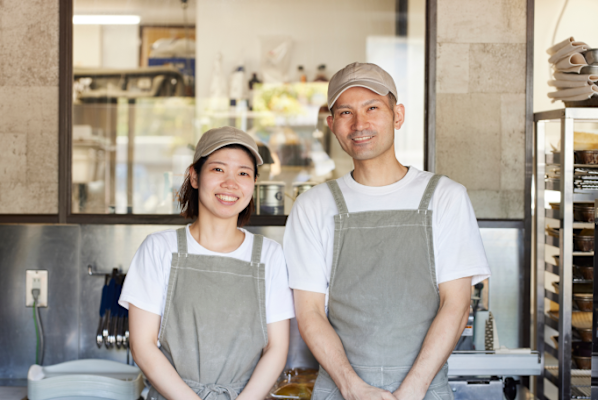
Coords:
36,279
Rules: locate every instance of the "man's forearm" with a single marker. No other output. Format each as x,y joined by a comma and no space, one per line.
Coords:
440,341
327,348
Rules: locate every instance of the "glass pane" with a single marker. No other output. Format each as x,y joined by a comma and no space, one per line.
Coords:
150,76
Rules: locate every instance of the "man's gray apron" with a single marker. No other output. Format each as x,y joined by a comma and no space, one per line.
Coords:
214,324
383,295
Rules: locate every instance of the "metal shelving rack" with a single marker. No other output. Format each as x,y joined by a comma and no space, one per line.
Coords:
568,194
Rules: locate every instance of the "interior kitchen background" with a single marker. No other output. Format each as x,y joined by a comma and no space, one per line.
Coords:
133,128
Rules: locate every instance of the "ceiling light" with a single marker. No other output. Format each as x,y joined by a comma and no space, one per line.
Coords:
106,19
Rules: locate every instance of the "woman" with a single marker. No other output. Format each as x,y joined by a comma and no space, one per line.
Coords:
214,297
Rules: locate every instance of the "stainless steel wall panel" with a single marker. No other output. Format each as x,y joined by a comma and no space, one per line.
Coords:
106,247
53,248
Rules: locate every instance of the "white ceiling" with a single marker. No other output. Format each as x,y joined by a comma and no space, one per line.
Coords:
152,12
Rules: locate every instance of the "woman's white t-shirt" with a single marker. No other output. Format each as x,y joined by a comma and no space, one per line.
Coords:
147,279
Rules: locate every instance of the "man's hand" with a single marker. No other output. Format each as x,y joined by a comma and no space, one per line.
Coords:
363,391
440,340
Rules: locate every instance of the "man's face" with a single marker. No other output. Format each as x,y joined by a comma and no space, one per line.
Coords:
364,123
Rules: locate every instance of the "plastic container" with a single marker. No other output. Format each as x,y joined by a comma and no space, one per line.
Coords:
85,379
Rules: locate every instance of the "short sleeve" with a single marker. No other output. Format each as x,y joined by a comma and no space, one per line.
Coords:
459,251
145,284
304,249
279,296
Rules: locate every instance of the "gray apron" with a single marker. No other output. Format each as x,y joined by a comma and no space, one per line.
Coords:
383,295
214,325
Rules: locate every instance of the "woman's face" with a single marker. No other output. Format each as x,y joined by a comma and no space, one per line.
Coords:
226,183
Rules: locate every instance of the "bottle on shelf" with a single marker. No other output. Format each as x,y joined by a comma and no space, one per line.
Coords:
252,82
321,74
301,77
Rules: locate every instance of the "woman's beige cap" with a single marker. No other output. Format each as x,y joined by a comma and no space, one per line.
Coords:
369,76
217,138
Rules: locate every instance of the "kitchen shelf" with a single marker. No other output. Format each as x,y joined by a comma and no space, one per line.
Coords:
566,379
551,295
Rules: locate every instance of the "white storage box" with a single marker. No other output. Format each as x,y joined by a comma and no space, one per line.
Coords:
85,379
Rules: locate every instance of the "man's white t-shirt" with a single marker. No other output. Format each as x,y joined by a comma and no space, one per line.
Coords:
146,283
309,233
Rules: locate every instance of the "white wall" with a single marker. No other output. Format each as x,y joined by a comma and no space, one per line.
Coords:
578,21
332,32
120,46
87,45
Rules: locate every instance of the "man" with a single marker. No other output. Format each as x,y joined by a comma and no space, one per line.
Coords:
381,260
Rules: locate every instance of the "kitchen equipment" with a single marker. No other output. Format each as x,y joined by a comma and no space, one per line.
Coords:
591,56
301,187
587,157
587,272
585,333
584,301
89,379
578,287
589,69
584,212
583,362
271,198
581,349
584,240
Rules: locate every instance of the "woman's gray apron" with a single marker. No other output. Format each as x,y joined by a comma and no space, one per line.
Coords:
383,295
214,324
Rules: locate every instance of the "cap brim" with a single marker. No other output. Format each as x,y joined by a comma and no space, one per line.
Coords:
217,146
373,86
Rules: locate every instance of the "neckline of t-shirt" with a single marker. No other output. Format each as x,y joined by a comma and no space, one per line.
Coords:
191,242
380,190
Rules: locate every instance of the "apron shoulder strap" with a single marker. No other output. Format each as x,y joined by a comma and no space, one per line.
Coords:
425,201
256,254
338,197
181,238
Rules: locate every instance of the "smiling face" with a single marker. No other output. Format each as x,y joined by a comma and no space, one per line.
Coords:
226,183
364,123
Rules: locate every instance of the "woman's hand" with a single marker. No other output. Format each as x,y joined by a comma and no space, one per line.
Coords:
271,364
143,329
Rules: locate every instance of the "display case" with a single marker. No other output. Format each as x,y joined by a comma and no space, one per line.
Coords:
564,257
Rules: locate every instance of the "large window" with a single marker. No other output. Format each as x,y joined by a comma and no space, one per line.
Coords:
150,76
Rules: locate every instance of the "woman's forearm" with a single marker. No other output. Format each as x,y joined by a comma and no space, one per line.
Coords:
161,373
271,364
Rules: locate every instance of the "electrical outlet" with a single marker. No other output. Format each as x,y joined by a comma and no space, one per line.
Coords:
36,279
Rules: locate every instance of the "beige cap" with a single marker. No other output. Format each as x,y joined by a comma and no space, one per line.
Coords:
369,76
217,138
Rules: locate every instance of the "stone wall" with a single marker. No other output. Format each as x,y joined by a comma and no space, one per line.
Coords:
480,103
29,107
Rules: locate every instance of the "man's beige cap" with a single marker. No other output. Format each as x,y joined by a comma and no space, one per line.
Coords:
369,76
217,138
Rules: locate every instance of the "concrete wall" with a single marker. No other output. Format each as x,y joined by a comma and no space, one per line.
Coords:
480,125
29,106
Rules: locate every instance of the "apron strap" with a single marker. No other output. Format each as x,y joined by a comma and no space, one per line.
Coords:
256,253
205,391
338,197
181,238
425,201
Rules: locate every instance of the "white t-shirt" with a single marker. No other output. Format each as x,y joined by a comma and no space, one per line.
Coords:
147,279
309,233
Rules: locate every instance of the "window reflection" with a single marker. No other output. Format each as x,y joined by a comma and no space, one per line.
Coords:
143,93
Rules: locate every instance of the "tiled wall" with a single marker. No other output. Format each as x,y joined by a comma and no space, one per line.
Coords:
480,103
29,106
